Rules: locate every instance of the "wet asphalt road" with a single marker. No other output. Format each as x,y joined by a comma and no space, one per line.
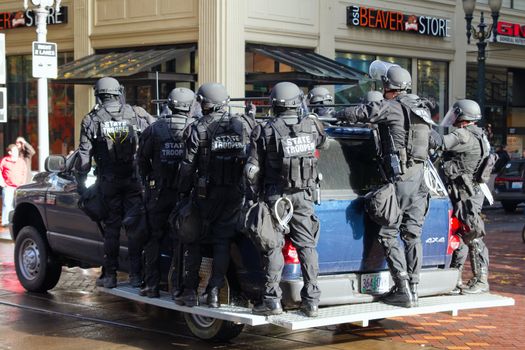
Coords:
75,315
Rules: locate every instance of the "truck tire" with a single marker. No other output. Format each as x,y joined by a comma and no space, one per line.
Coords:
509,207
212,329
36,267
523,234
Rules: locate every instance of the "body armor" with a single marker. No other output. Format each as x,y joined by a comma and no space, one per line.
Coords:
290,158
116,140
169,149
223,152
418,122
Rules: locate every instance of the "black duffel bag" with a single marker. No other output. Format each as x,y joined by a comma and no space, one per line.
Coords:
92,203
186,222
258,225
382,206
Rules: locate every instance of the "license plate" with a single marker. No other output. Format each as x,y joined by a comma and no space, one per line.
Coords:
375,283
517,185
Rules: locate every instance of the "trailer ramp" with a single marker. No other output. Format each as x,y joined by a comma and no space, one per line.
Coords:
294,320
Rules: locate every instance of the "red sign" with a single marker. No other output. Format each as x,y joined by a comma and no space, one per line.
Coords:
395,21
511,33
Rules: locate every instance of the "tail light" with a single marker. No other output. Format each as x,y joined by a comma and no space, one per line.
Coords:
453,239
290,253
317,154
502,180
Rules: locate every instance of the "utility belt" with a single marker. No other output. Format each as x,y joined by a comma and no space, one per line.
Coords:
165,183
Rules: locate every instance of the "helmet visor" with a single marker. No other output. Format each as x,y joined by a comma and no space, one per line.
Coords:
450,118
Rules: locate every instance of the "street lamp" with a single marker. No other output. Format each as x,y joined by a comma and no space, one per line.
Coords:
41,11
481,34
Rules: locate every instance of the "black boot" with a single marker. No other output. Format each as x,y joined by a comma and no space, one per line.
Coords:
150,292
187,298
401,296
309,309
212,297
481,285
415,297
108,280
268,307
459,284
135,280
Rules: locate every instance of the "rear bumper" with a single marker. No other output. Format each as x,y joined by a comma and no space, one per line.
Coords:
344,289
510,196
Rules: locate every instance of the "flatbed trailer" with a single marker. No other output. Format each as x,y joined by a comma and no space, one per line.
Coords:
235,317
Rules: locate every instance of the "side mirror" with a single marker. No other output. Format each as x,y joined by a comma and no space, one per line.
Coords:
55,163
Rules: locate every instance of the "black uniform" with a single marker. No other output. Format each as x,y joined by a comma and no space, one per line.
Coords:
216,152
405,135
285,155
462,157
161,149
110,134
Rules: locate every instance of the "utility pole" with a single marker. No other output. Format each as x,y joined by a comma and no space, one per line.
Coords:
41,11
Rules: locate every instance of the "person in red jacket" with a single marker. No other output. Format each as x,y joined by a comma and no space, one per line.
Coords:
14,172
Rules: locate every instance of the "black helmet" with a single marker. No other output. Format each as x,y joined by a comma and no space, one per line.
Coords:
212,96
108,86
287,95
373,96
397,78
181,99
462,110
319,95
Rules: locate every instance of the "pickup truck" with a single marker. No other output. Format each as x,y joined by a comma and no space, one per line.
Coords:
50,231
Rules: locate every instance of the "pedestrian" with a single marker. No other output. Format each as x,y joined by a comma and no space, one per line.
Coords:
216,152
282,164
403,124
464,150
13,170
26,152
503,158
109,133
161,149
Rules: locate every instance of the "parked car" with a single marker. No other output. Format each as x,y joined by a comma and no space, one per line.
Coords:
50,232
508,185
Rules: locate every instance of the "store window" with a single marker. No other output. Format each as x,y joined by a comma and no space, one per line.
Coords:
432,82
355,93
257,63
22,107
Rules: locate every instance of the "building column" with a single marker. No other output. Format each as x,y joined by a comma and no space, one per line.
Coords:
84,99
222,45
458,66
326,44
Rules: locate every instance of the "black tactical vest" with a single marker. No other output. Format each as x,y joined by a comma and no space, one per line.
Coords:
223,142
467,162
418,131
290,153
169,148
116,141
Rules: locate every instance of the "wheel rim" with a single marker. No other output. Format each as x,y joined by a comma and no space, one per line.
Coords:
203,321
29,257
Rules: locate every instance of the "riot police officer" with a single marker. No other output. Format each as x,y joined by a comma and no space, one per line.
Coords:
404,144
109,133
216,152
464,149
320,96
161,149
282,164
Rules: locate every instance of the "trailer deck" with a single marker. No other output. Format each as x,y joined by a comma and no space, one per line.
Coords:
353,313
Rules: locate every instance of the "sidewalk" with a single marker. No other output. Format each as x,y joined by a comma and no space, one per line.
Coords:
4,234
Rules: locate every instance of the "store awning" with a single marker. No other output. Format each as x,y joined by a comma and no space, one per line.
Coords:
128,65
308,67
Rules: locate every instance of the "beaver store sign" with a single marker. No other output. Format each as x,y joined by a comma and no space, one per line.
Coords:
395,21
20,19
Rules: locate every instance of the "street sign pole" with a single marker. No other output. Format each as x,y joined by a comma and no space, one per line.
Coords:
41,12
43,113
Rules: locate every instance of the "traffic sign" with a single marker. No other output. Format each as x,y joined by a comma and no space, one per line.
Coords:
44,60
3,105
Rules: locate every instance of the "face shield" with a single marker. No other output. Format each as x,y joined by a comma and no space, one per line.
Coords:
195,110
450,118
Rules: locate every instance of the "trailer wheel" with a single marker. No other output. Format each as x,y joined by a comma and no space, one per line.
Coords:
213,329
36,267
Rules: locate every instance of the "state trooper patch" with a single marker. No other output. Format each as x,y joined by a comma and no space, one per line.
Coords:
116,130
226,143
298,146
171,151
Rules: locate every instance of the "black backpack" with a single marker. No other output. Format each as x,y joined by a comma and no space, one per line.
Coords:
488,160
